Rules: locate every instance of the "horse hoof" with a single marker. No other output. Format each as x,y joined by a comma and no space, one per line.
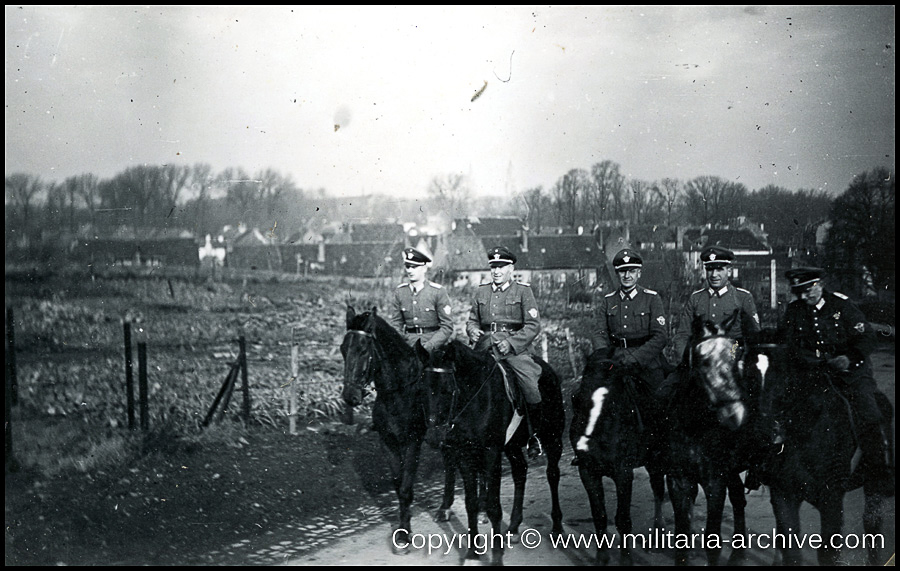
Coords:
483,518
442,515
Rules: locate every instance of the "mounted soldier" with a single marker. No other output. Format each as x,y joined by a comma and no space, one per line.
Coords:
505,317
421,310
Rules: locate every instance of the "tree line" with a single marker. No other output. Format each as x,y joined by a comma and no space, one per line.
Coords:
153,198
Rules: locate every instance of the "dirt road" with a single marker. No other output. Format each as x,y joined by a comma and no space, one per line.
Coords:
372,545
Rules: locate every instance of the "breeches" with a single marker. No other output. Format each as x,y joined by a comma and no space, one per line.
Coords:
528,372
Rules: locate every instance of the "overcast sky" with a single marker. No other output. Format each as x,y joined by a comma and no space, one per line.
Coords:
362,100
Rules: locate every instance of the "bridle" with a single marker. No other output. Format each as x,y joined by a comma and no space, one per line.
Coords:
717,403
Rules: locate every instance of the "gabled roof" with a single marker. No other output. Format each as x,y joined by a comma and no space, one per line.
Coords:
364,259
376,232
652,234
251,238
734,240
552,252
491,226
460,251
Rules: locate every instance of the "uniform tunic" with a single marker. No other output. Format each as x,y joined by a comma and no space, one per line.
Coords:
511,306
717,306
633,324
428,308
834,327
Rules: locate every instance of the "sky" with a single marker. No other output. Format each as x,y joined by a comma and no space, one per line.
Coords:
380,100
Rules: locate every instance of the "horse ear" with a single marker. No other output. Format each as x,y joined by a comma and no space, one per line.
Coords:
351,313
374,310
370,324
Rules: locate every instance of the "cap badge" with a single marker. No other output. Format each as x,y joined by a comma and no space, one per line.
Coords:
860,327
712,257
626,259
496,256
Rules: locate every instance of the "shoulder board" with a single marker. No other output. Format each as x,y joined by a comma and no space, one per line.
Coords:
403,285
840,295
743,290
526,284
650,291
484,284
610,294
434,285
698,291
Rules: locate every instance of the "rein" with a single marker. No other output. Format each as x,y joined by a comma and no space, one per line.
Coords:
455,416
370,358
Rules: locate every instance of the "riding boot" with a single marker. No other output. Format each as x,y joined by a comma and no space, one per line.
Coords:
535,418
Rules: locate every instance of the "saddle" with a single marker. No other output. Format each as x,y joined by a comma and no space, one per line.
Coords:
515,396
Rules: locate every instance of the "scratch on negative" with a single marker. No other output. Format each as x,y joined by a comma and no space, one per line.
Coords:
480,91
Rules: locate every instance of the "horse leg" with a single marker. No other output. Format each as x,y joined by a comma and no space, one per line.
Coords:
873,516
408,467
624,480
449,456
469,469
519,468
658,487
738,506
553,448
681,492
716,491
592,479
831,513
787,522
492,471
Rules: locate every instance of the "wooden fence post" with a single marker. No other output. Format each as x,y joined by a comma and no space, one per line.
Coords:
295,370
129,377
142,384
13,387
246,387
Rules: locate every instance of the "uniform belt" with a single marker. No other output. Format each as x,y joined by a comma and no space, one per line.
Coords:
494,327
421,329
628,343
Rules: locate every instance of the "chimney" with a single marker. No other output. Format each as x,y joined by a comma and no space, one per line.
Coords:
321,257
524,240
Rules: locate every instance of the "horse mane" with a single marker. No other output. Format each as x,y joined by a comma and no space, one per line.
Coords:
390,339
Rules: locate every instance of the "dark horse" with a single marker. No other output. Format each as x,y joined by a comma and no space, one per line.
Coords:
611,434
815,461
470,411
706,441
375,353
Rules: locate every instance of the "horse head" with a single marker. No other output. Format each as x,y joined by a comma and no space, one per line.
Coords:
441,391
358,349
715,362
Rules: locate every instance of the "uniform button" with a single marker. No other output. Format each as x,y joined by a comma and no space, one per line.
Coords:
415,318
415,302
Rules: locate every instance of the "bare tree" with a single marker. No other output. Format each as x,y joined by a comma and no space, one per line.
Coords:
643,201
669,191
241,192
711,199
88,189
452,192
568,193
55,206
21,189
861,238
535,202
606,191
